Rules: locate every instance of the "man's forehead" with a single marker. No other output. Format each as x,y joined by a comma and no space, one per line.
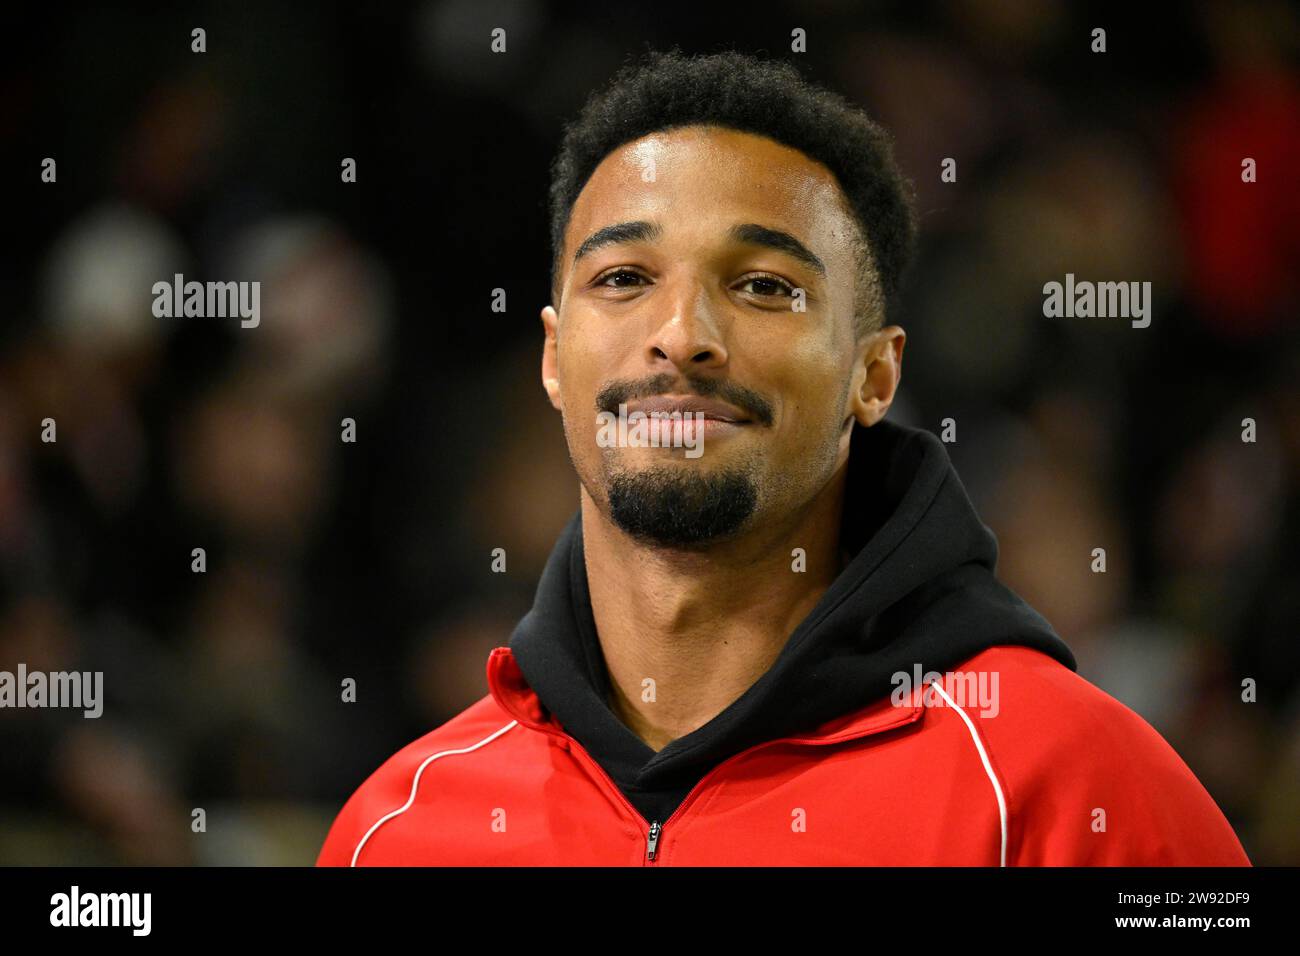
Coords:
678,174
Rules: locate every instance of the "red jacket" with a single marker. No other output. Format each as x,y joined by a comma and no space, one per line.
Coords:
831,756
1061,774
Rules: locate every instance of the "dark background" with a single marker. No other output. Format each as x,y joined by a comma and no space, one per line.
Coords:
371,560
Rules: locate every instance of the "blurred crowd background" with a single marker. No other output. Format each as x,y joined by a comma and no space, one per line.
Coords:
371,560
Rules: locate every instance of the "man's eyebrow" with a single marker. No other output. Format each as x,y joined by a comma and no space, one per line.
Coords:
756,235
750,233
637,231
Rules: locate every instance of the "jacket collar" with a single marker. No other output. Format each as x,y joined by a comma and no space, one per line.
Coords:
510,690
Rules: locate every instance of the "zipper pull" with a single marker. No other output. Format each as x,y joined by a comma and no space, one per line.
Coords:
653,841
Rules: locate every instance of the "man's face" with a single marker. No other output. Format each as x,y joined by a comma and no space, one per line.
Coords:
687,306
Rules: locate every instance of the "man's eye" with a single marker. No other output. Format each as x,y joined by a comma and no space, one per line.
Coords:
627,273
769,285
764,285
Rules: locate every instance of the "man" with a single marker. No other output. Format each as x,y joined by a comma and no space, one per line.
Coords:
791,648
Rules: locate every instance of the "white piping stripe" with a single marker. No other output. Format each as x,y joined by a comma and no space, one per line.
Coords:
415,785
988,768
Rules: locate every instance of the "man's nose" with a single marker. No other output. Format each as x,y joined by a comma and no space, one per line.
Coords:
688,330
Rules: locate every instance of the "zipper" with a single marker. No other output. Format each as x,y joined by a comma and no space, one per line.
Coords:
654,829
652,841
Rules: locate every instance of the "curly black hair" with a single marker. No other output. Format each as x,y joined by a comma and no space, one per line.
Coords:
766,97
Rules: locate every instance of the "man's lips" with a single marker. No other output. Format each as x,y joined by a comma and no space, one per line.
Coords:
712,409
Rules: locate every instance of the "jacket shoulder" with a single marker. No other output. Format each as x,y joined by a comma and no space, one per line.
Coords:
1087,781
392,786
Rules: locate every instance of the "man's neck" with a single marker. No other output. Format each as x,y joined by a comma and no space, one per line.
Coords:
685,634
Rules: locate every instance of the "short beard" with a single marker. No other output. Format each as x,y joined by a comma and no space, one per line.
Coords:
681,508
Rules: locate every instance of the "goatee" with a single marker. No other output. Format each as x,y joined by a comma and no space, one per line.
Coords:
680,507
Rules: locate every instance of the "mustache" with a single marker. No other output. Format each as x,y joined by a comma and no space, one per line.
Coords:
624,390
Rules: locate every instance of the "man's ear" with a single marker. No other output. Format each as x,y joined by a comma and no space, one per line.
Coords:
876,375
550,367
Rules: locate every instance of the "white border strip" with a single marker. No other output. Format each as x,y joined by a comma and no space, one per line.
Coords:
415,785
988,768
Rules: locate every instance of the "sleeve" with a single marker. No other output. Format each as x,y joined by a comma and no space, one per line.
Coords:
344,834
1110,791
377,799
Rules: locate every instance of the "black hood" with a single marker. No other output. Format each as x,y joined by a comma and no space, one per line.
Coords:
920,590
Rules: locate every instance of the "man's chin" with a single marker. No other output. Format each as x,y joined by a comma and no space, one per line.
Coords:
671,505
